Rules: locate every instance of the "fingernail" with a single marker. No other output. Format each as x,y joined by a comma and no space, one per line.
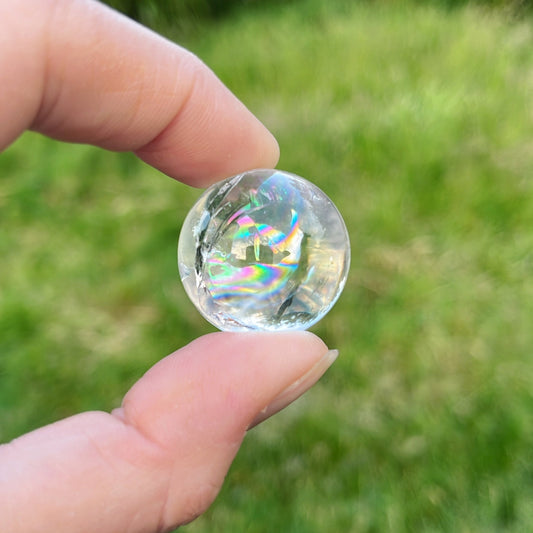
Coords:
296,389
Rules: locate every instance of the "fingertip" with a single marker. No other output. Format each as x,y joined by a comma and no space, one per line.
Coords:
218,383
270,157
297,388
213,135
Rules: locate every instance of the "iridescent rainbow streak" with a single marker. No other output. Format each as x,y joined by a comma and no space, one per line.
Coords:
225,280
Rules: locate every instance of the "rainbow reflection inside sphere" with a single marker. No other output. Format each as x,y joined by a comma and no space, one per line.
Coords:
264,250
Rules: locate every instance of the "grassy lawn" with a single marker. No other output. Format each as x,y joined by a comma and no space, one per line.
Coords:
418,122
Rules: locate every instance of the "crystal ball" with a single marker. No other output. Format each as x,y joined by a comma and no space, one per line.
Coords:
263,250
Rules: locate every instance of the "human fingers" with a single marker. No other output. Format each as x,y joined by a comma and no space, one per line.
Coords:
161,458
78,71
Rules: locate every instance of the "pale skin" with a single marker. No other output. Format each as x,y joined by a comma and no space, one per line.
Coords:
77,71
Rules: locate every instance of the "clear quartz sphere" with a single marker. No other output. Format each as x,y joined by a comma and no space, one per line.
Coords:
264,250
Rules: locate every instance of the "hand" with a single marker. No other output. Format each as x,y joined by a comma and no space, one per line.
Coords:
77,71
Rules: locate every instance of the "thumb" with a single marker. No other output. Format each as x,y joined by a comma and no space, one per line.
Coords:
159,460
198,404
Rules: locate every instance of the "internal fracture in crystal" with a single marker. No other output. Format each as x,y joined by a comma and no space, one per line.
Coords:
264,250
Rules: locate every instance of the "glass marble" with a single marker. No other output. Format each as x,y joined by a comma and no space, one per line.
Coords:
264,250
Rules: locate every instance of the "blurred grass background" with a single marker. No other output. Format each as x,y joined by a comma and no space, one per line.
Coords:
417,120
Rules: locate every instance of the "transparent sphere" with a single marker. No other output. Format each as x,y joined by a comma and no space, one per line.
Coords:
264,250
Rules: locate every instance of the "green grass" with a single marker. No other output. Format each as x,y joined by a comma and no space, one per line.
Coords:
418,122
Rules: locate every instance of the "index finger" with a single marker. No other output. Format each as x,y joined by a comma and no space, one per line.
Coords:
84,73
